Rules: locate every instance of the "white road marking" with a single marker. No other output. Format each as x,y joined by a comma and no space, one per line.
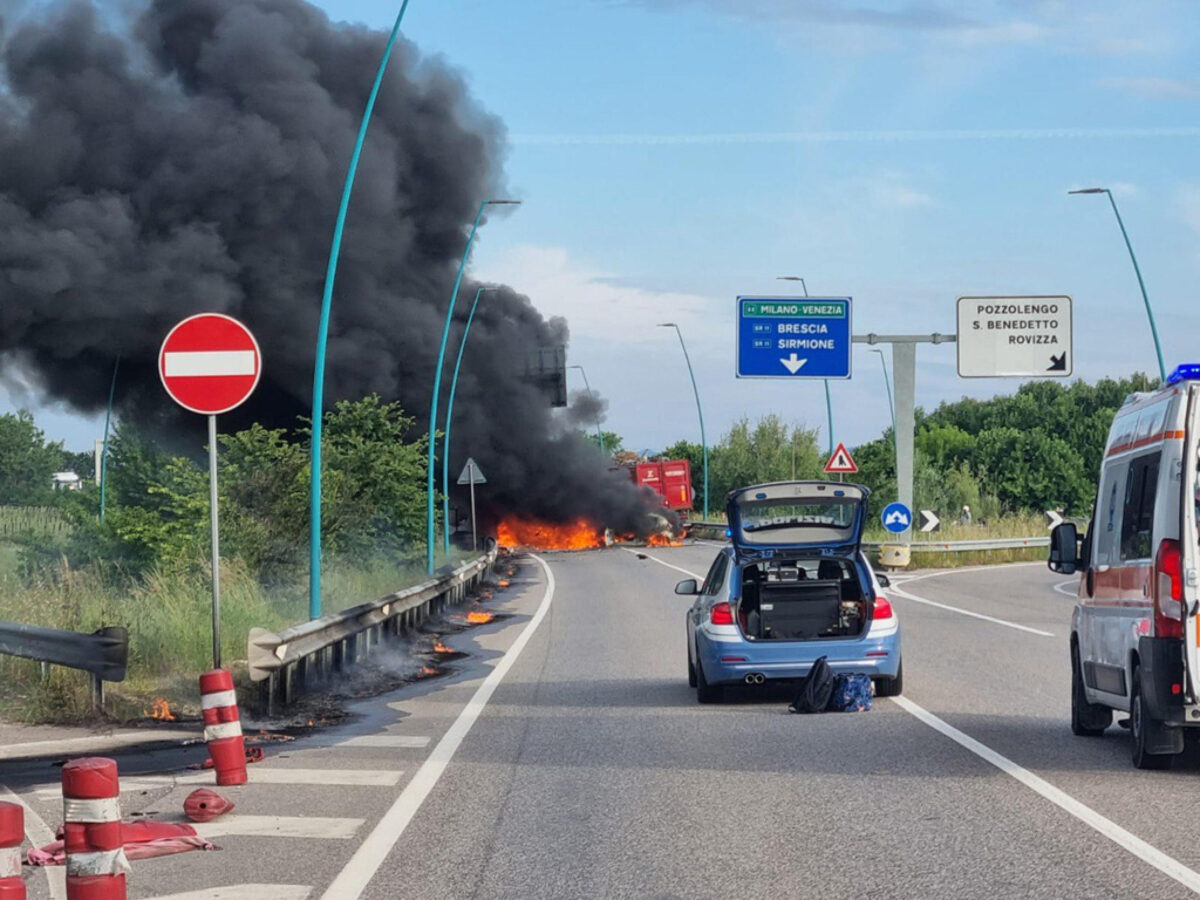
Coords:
1169,866
1073,588
40,835
966,612
409,741
209,362
641,555
258,775
354,878
96,743
280,826
242,891
708,543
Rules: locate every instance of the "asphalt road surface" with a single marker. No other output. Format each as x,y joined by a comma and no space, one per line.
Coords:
567,757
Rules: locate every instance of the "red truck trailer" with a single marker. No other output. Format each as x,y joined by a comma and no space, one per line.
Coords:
671,479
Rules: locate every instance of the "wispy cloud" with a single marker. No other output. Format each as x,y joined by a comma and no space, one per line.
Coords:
1155,88
599,305
1188,204
945,20
893,190
830,137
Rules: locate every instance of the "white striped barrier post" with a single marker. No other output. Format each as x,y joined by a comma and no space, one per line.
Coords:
12,833
223,727
92,833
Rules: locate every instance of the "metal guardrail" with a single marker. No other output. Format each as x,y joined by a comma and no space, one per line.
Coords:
964,546
288,660
103,654
922,545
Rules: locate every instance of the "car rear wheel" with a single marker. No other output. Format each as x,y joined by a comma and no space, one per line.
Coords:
1139,725
1087,719
705,692
891,687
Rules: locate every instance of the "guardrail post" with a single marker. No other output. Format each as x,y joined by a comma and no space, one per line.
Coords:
97,694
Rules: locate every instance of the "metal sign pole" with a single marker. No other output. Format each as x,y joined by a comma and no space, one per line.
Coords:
216,552
474,540
904,377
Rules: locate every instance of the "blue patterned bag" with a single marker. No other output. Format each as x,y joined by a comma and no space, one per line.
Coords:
851,693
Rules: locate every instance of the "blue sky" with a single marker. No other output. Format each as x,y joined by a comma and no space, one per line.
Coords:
672,154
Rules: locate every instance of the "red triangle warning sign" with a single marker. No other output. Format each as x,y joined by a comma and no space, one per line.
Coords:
841,461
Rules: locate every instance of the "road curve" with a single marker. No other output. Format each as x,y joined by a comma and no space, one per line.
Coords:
568,758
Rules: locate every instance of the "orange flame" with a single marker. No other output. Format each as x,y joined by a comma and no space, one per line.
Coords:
662,540
475,617
578,535
439,647
504,582
161,710
427,671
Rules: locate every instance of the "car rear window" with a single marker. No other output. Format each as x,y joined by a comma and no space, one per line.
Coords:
765,515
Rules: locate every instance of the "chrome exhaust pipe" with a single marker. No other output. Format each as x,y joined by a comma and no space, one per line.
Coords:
755,678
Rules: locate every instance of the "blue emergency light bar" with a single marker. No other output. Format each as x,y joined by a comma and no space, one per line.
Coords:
1184,372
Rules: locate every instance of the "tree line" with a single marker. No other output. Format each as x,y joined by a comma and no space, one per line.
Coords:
1039,448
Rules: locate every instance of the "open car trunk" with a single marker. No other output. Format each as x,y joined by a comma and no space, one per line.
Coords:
802,599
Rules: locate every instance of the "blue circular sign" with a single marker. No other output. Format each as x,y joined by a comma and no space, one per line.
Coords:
896,517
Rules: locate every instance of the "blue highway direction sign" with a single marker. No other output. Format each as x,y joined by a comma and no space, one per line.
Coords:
793,337
896,517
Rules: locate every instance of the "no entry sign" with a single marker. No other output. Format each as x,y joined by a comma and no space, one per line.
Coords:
209,363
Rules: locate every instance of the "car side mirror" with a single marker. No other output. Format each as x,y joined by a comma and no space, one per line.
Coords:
687,586
1064,549
883,580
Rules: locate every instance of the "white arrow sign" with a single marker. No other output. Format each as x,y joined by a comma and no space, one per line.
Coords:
792,363
929,521
1053,519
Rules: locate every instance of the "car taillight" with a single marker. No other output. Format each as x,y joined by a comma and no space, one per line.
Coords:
721,614
1168,590
883,609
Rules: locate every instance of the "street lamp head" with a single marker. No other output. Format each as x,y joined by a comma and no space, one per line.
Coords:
1090,191
580,368
667,325
504,203
788,278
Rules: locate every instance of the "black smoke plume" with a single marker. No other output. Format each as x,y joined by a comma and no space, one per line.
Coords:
191,158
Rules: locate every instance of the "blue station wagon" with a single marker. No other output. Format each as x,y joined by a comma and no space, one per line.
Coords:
791,587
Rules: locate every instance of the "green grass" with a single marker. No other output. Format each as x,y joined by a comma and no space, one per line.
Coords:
169,616
32,521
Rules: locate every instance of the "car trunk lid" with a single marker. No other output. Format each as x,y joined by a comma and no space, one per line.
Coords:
815,516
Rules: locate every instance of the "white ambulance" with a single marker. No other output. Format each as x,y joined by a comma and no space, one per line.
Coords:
1134,629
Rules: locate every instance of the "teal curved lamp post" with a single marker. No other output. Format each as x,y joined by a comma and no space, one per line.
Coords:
1162,369
318,404
699,409
437,382
828,399
112,393
586,384
462,345
887,382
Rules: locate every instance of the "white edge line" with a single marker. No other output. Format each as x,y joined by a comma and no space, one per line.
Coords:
39,835
963,570
966,612
1073,594
1110,829
240,891
354,878
642,555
